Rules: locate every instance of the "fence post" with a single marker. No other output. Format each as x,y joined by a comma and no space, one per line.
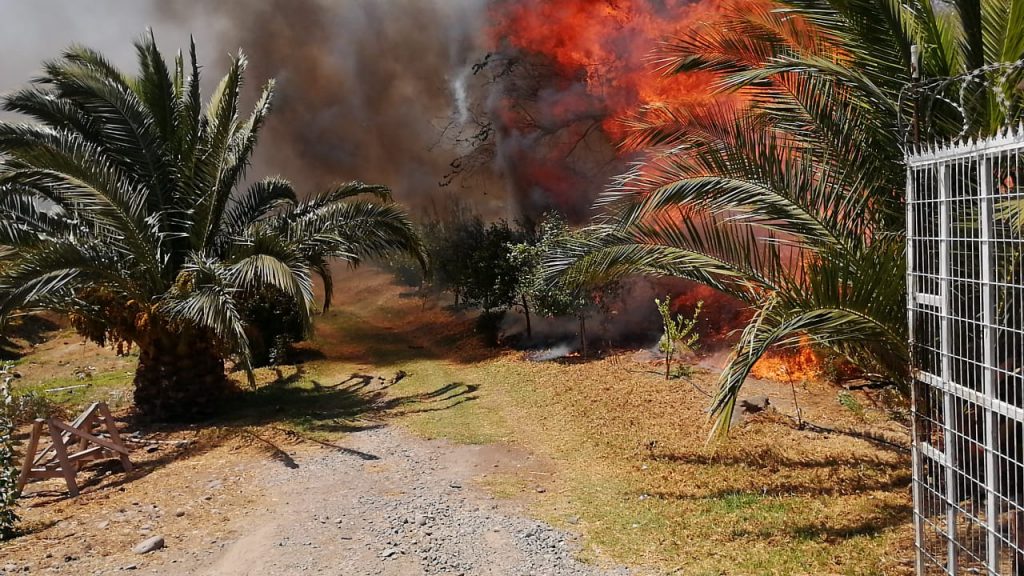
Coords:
916,457
948,408
988,337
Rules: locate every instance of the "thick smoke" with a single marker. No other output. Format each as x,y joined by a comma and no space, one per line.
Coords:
38,31
364,86
521,94
508,104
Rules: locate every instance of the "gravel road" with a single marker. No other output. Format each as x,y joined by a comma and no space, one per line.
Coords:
395,505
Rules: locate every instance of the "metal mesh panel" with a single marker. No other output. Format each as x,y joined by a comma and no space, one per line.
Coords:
965,215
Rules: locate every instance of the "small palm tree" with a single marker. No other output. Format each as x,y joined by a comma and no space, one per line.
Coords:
794,204
121,207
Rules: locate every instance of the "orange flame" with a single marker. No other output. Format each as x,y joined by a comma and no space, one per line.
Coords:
608,45
791,365
721,314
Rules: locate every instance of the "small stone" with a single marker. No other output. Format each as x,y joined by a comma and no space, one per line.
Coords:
147,546
541,490
388,553
455,485
131,567
179,513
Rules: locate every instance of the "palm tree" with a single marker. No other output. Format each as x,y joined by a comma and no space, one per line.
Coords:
121,207
793,203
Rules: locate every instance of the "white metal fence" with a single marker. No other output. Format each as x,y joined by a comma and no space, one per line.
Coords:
965,210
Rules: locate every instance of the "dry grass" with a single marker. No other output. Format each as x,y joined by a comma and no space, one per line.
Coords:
631,459
625,449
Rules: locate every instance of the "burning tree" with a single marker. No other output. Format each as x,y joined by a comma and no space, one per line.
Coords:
795,205
123,206
545,104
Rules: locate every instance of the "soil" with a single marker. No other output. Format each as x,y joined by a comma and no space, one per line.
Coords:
253,498
384,503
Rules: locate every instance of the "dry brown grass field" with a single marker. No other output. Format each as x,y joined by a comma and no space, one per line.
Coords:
624,456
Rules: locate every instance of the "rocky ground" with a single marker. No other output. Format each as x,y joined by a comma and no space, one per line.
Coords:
385,503
395,505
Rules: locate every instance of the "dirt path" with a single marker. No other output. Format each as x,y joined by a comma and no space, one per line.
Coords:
391,505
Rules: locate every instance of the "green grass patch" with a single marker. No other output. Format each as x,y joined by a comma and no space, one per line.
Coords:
72,394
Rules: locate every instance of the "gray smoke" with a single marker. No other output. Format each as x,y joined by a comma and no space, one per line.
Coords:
384,91
365,87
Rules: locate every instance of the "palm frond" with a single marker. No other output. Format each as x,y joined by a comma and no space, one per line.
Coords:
776,325
262,199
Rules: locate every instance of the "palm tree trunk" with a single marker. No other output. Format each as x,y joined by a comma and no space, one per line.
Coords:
180,376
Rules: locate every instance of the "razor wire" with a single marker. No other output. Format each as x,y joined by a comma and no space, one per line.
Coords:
956,91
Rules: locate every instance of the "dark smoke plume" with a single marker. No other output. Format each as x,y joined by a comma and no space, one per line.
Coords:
421,95
364,86
385,91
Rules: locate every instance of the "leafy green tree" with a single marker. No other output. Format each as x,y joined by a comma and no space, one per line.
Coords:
448,238
794,204
473,261
677,332
564,296
493,277
123,207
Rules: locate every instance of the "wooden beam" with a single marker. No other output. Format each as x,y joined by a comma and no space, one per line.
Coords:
62,457
88,454
83,434
30,454
111,426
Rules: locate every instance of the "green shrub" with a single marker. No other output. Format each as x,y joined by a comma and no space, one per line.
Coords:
8,469
28,406
273,322
678,332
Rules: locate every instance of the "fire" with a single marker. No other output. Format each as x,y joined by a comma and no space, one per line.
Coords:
607,46
597,60
792,365
722,315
